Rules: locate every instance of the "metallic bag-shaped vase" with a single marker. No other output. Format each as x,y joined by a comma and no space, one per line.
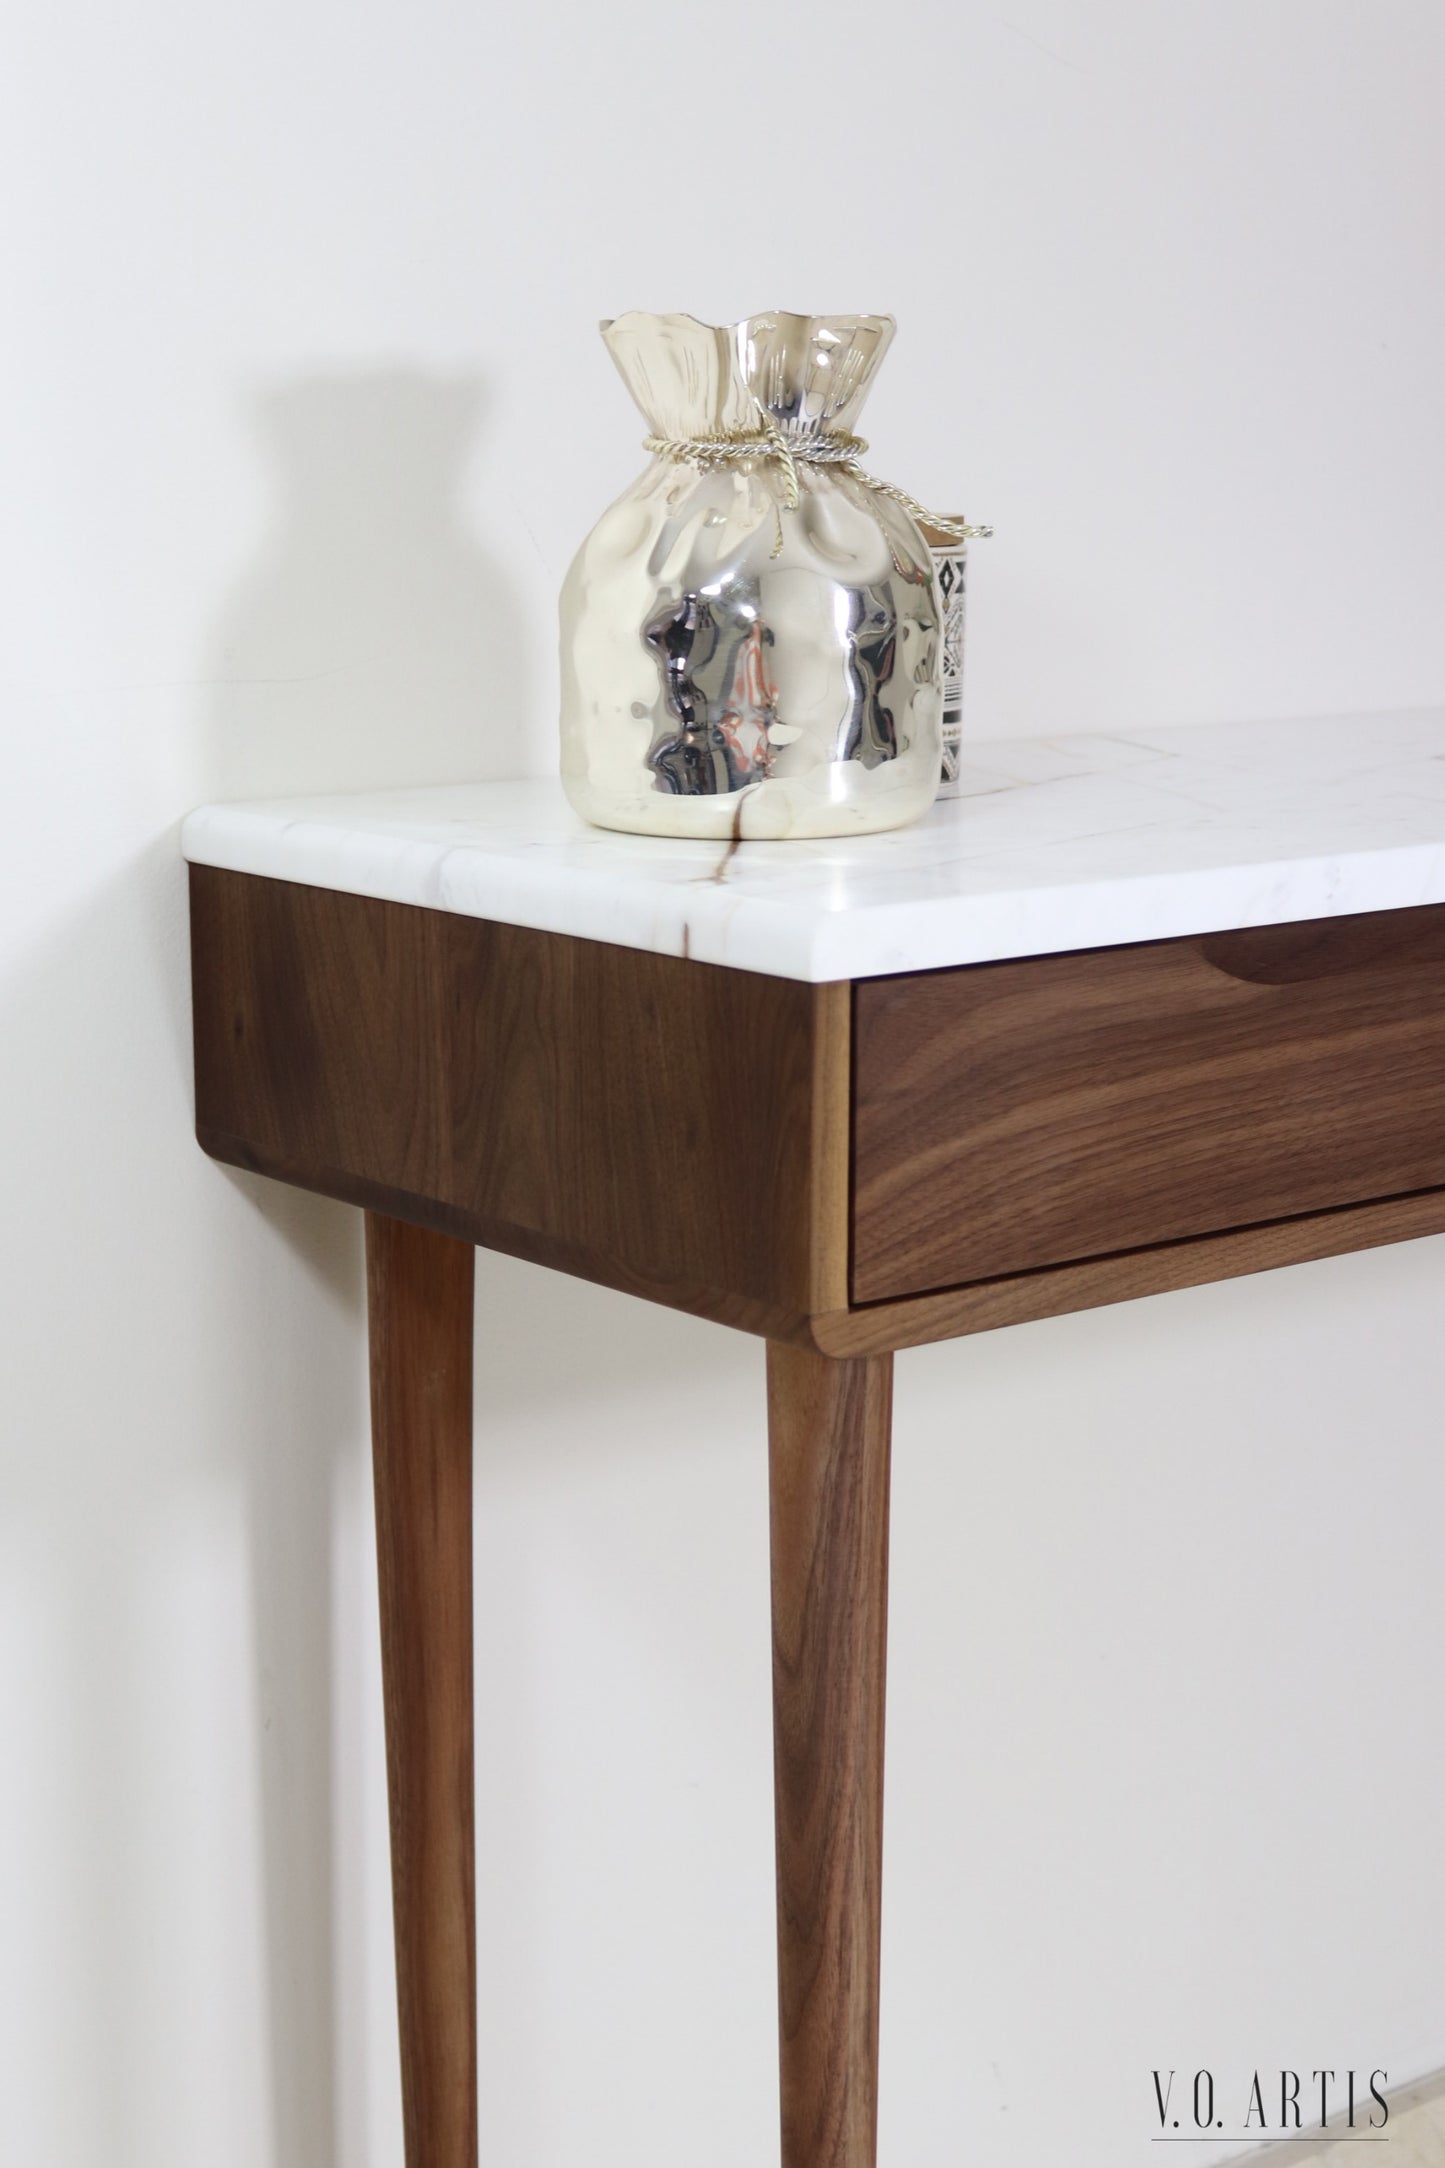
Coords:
751,634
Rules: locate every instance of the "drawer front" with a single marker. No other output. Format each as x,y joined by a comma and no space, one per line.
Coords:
1012,1115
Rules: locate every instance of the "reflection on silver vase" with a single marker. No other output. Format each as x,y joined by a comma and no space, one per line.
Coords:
751,635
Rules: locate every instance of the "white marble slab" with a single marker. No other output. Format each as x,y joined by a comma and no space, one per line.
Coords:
1058,843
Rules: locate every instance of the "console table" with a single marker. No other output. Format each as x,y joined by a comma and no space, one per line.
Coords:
1133,1012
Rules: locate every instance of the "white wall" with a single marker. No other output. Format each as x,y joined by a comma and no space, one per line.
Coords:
303,413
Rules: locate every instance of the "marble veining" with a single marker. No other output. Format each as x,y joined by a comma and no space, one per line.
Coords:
1055,843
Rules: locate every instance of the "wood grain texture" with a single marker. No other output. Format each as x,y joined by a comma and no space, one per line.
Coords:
681,1132
1018,1115
669,1127
829,1430
419,1303
1056,1289
830,1174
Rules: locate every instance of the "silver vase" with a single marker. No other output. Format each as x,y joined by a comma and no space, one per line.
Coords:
733,666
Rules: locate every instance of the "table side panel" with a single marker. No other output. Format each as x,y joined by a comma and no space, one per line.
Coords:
654,1123
1014,1116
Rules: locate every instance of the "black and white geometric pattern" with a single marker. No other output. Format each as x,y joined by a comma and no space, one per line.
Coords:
951,565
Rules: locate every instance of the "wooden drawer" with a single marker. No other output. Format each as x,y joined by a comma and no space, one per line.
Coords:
1007,1116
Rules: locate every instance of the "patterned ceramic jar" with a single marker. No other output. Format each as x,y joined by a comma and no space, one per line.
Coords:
950,565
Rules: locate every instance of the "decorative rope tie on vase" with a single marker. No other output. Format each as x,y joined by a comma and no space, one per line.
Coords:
831,448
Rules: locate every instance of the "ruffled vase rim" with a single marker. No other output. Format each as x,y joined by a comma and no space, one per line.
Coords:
855,318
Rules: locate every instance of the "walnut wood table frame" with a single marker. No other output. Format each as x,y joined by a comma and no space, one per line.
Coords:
843,1169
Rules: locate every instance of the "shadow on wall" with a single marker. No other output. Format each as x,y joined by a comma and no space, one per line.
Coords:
375,641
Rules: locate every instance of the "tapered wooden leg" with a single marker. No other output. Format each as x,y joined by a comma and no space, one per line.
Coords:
419,1301
828,1428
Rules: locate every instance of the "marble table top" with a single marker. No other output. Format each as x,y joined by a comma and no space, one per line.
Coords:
1056,843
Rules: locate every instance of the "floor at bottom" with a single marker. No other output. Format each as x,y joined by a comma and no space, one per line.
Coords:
1415,2132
